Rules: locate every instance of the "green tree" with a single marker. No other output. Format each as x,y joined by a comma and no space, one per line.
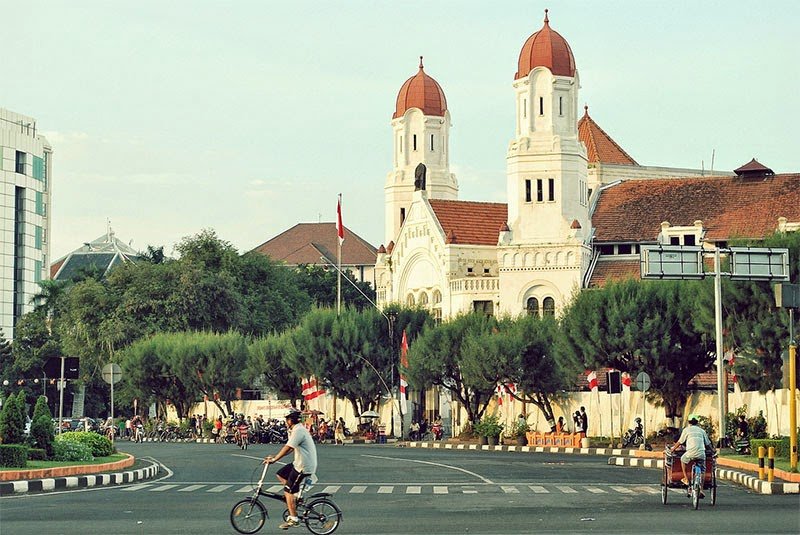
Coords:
642,326
12,419
320,283
267,364
42,433
448,355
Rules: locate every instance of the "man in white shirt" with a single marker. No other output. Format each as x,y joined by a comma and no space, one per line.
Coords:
304,464
696,440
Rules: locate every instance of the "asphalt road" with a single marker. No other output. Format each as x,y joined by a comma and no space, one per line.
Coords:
386,489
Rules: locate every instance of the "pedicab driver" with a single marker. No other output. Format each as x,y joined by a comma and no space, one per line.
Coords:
696,440
305,464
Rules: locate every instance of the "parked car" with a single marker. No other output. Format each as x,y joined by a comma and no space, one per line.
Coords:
78,424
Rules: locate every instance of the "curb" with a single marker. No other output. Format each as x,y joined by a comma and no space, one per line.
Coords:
57,483
525,449
752,482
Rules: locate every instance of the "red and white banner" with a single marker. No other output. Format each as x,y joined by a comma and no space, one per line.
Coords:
502,390
311,390
626,382
592,378
339,226
403,368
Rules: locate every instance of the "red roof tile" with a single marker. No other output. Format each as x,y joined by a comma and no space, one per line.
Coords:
753,167
423,92
612,269
599,145
304,243
546,48
471,223
730,207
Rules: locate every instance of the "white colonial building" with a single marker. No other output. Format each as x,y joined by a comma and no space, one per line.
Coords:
25,171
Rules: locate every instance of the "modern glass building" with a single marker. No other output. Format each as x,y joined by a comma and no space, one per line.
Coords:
25,171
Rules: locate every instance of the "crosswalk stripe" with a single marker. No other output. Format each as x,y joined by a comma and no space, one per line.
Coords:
413,489
358,489
331,489
538,489
648,490
162,488
384,489
595,490
509,489
439,490
469,490
190,488
219,488
275,488
622,490
566,490
137,487
246,488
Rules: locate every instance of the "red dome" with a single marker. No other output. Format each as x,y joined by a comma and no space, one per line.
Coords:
423,92
546,48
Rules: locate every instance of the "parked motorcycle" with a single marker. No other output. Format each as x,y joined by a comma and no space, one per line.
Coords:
635,437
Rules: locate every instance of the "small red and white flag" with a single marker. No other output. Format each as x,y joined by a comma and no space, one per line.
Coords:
499,391
403,368
626,382
311,390
592,378
339,226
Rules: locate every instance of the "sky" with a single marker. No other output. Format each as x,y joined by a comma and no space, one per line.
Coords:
248,117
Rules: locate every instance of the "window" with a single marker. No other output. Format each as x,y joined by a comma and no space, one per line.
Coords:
527,191
539,190
423,300
37,237
410,300
541,105
38,168
485,271
40,206
606,249
431,142
415,141
532,306
402,215
688,239
549,306
21,162
524,108
486,307
561,106
674,240
469,270
37,271
624,248
551,189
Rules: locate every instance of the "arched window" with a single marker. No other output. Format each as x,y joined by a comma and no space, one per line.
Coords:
437,297
423,300
410,300
549,305
532,306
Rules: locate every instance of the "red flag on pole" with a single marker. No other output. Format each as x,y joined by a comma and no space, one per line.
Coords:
339,226
592,378
626,381
403,368
311,390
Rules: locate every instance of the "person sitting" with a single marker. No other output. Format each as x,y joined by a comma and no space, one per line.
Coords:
414,431
696,441
560,425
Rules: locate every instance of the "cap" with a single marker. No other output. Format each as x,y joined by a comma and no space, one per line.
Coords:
693,418
293,416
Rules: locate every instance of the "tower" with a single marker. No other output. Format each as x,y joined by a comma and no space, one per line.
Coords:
421,134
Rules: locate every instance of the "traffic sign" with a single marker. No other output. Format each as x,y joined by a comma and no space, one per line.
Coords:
112,373
643,382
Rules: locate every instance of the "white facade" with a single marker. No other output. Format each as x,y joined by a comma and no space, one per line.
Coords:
26,171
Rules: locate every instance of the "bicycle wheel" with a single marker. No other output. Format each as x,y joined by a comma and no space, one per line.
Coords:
697,486
248,515
664,485
322,516
714,489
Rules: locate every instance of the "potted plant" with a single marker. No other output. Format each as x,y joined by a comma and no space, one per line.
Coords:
518,432
489,428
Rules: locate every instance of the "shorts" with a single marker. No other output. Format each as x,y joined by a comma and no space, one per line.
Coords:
293,478
686,458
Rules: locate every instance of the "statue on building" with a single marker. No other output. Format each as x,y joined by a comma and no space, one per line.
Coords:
419,177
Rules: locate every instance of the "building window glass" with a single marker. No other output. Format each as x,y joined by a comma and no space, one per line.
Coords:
20,168
437,297
423,300
402,215
688,239
524,108
414,139
532,306
38,168
541,105
410,300
549,306
674,240
485,307
431,142
40,206
561,106
37,271
551,189
539,190
624,248
606,249
527,191
37,237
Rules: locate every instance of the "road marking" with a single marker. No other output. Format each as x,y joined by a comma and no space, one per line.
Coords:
274,488
648,490
358,489
469,490
246,488
538,489
622,490
385,489
439,490
508,489
137,487
595,490
566,490
219,488
162,488
413,489
190,488
434,464
331,488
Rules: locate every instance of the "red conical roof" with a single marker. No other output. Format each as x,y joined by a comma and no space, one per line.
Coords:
546,48
423,92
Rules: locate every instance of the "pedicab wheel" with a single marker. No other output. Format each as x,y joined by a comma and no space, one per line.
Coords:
248,516
664,486
714,489
322,517
697,486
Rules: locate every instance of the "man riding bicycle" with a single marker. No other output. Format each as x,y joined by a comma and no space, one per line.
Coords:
695,439
304,464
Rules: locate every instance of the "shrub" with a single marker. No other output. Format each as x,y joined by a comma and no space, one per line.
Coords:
42,434
66,450
781,445
489,426
12,419
99,446
13,455
37,454
708,426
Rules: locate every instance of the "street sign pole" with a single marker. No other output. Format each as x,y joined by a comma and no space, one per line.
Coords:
792,394
722,391
61,396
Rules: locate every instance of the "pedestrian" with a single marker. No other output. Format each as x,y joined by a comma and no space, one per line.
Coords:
741,427
304,464
578,422
128,428
584,420
339,432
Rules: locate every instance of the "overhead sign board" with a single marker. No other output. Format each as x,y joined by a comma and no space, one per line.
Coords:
52,368
787,295
751,263
671,262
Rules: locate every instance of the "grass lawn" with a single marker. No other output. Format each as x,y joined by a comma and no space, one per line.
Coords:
35,465
780,463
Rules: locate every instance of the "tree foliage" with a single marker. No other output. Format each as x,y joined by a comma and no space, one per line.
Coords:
12,419
320,284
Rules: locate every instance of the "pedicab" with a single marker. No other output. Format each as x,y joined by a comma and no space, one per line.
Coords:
672,476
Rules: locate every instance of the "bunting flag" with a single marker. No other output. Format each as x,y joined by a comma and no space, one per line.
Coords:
502,390
592,378
311,390
626,382
403,368
499,391
339,226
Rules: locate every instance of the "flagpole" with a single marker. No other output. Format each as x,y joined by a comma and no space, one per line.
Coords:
339,236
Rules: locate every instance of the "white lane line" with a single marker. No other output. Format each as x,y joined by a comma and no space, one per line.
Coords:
648,490
358,489
190,488
469,490
538,489
485,480
622,490
219,488
136,487
331,489
385,489
162,488
508,489
566,490
439,490
595,490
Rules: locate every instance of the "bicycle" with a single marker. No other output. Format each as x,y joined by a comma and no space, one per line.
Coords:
318,512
